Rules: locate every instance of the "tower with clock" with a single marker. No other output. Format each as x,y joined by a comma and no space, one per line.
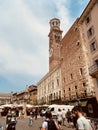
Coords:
55,36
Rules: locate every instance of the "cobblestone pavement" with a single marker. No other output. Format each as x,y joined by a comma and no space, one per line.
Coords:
22,124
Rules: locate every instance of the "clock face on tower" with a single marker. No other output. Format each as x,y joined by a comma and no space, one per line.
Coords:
50,52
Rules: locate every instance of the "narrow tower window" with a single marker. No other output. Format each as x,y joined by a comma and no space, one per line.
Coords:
81,71
71,76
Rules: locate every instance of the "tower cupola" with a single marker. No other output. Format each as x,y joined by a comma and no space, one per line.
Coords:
54,24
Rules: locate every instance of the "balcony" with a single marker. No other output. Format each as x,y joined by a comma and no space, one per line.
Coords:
93,70
81,96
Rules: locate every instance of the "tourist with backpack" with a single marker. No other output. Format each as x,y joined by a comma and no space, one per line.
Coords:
49,123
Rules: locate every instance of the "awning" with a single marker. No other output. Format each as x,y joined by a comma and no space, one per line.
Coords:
83,103
72,103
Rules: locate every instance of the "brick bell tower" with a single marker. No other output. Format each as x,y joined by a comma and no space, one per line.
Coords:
55,36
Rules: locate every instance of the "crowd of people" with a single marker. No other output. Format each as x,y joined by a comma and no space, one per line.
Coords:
75,118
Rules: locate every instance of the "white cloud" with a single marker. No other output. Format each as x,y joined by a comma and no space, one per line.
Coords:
18,59
20,62
24,28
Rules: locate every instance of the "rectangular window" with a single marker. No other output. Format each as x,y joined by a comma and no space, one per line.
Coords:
75,87
52,85
59,94
77,95
58,82
70,96
77,43
56,95
64,79
85,92
93,46
69,89
71,76
81,71
48,87
96,61
84,84
90,32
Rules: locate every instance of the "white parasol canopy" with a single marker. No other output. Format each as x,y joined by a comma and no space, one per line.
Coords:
1,107
45,105
7,105
29,106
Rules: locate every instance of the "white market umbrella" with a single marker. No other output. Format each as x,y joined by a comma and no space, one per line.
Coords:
20,105
45,105
1,107
29,106
8,105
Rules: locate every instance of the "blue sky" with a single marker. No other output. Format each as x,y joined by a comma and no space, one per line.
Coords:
24,29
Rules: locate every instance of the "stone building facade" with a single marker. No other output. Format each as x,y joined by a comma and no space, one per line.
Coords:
29,95
76,82
75,55
32,94
89,27
5,98
49,87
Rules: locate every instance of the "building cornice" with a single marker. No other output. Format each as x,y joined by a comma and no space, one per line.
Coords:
87,10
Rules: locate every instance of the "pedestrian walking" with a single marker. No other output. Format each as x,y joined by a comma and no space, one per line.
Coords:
82,122
36,113
59,117
30,120
68,116
43,112
74,119
63,116
49,123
